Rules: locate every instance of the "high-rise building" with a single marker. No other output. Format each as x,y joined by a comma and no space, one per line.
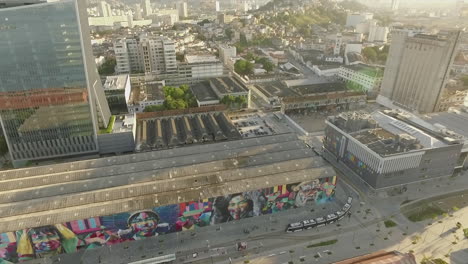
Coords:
417,70
182,8
145,54
138,14
395,5
226,53
217,6
51,99
352,20
377,33
338,43
147,10
105,9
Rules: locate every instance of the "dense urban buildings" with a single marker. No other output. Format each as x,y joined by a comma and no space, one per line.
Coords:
417,70
391,148
53,101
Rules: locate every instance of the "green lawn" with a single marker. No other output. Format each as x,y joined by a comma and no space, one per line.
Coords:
324,243
109,128
390,223
424,213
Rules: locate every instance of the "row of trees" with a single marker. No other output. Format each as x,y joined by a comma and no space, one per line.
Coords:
174,98
244,67
376,54
108,67
234,101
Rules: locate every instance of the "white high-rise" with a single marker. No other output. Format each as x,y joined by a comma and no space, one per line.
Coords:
105,9
145,54
138,14
182,9
417,70
395,5
147,10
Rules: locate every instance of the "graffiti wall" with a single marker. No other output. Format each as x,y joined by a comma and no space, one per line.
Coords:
107,230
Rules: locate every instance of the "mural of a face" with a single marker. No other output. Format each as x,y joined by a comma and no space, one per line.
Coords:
45,241
144,223
239,207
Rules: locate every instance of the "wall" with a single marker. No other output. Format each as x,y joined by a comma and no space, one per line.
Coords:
107,230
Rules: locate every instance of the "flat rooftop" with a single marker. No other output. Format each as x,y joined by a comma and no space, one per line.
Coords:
320,88
200,58
40,196
116,82
456,121
227,85
391,132
203,92
275,88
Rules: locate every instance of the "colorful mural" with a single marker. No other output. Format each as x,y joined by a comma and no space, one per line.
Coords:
107,230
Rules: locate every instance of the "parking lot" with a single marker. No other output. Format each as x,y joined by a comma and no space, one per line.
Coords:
252,125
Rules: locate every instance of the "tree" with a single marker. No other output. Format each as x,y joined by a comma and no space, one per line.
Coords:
243,67
108,67
229,33
370,54
180,56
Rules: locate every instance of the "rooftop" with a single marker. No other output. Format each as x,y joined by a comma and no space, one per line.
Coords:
117,82
227,85
203,92
48,195
200,58
391,132
275,88
320,88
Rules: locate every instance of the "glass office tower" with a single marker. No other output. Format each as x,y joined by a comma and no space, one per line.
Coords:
51,99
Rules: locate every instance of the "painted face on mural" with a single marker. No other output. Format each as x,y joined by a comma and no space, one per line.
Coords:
45,241
144,223
239,207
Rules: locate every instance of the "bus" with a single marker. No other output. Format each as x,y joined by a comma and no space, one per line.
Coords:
331,218
346,208
340,215
294,227
308,224
320,221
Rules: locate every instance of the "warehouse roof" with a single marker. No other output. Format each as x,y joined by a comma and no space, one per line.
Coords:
59,193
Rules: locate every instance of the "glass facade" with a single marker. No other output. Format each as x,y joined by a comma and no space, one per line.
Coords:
45,104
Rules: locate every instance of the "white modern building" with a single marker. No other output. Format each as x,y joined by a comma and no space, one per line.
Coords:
145,54
362,77
338,43
182,9
147,10
377,33
226,53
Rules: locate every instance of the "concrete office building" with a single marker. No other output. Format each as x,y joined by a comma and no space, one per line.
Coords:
391,147
417,70
182,9
145,54
53,101
377,33
226,53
